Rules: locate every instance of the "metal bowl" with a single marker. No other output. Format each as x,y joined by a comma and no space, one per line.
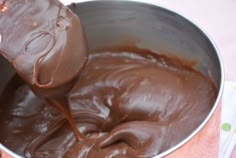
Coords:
145,25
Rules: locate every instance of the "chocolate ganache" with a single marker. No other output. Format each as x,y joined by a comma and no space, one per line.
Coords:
124,102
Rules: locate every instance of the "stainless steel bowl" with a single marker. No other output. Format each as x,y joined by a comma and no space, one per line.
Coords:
147,25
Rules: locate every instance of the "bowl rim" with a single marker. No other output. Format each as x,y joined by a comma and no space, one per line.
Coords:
208,37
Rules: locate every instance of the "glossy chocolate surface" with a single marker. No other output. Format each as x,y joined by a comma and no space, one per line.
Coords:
45,43
126,104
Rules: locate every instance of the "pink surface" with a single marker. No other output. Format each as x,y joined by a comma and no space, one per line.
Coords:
233,154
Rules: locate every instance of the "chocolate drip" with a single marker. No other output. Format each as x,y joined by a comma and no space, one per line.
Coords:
45,43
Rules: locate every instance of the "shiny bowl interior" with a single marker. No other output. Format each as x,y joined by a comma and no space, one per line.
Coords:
145,25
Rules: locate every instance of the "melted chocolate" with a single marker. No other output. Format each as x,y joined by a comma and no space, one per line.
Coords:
126,104
46,44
